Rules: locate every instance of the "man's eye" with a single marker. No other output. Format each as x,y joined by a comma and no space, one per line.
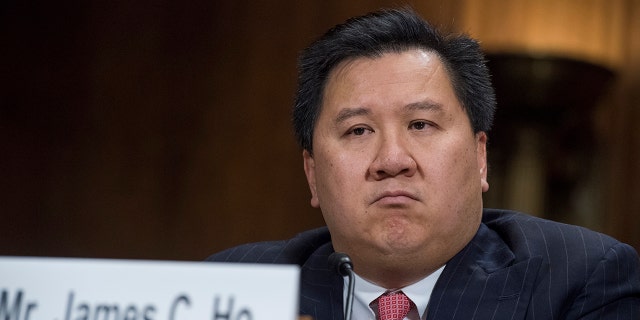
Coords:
358,131
418,125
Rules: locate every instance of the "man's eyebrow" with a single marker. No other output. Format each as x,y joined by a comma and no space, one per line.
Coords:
347,113
424,106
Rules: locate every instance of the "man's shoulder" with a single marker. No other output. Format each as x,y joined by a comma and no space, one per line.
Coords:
536,236
296,250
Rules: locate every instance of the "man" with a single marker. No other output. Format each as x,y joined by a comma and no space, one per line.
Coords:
393,118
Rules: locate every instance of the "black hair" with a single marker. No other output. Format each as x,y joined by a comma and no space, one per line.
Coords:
385,31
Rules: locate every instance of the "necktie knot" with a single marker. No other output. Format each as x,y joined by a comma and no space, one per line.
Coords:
393,306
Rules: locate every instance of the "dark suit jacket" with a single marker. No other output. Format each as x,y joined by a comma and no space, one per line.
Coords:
516,267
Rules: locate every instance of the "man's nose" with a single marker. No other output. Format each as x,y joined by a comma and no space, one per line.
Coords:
393,158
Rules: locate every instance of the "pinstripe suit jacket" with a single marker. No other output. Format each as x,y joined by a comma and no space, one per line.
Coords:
516,267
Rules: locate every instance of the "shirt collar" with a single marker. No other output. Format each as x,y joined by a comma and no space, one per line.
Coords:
365,292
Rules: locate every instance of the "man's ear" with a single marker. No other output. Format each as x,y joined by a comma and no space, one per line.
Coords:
481,141
310,172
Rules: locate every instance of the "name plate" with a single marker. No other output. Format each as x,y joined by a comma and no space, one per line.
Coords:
102,289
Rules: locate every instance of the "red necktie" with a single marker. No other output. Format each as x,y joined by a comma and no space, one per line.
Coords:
393,306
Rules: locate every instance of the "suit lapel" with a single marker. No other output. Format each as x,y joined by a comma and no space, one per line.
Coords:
484,281
321,288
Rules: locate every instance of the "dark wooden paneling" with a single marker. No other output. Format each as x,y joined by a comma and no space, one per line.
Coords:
160,129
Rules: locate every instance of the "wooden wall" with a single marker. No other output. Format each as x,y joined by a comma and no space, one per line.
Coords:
160,129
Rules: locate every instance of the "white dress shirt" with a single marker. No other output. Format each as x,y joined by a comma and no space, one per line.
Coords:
366,292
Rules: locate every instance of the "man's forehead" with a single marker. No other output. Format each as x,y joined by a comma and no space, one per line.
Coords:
349,63
364,74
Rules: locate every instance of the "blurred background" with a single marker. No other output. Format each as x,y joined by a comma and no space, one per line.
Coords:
161,129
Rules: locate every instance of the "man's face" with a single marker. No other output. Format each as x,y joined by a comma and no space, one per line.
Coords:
396,168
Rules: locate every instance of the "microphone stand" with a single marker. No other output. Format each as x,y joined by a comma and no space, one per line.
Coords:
344,267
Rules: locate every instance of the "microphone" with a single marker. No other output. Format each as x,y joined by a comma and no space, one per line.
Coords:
342,265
